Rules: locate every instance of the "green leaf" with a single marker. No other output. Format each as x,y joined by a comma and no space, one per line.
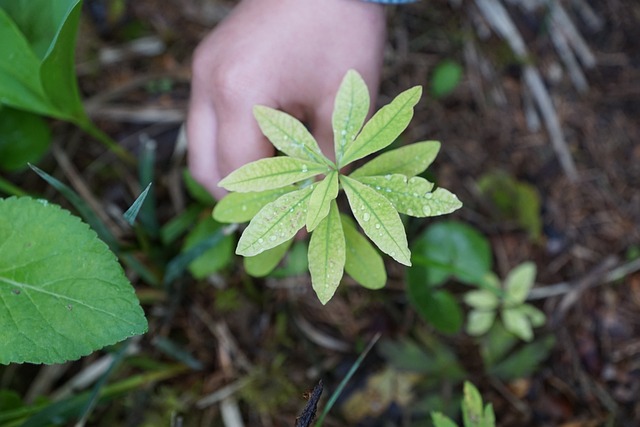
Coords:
24,138
489,418
20,85
409,160
438,308
327,255
450,248
62,292
289,135
471,406
482,299
39,38
195,190
363,262
276,223
413,197
384,127
446,77
525,361
270,173
262,264
536,317
441,420
349,112
213,259
131,213
518,283
480,321
325,192
241,207
517,322
378,219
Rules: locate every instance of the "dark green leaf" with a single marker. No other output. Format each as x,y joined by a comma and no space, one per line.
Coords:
24,138
216,257
437,307
524,361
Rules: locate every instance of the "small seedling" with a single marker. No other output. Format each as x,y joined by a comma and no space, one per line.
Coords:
518,317
280,195
473,413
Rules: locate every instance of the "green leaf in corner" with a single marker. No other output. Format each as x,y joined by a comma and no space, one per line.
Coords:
39,37
409,160
289,135
384,127
241,207
24,138
363,262
378,219
327,255
276,223
262,264
325,192
350,110
63,294
270,173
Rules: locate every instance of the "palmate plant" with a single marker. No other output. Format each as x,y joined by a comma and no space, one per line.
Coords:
281,195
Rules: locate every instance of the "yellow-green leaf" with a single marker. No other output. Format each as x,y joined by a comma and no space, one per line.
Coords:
518,283
517,322
276,223
363,262
413,196
378,218
325,191
349,111
288,135
327,255
480,321
262,264
409,160
241,207
384,127
270,173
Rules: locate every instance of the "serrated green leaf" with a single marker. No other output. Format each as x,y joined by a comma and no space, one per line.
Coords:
441,420
378,218
480,321
62,292
414,196
262,264
519,282
363,262
325,192
384,127
409,160
276,223
241,207
289,135
482,299
327,255
213,259
349,112
471,406
270,173
517,322
24,138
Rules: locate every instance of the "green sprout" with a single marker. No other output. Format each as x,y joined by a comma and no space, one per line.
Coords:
281,195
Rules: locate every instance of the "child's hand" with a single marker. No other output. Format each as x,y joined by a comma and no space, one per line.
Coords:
286,54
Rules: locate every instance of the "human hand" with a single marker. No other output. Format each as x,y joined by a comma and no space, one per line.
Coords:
286,54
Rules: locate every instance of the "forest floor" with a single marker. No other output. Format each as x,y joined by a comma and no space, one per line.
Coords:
267,341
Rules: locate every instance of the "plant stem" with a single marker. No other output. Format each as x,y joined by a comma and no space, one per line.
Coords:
10,189
118,150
